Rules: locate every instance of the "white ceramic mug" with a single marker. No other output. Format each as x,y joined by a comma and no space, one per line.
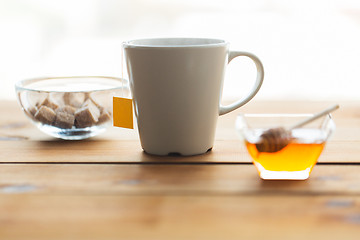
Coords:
176,85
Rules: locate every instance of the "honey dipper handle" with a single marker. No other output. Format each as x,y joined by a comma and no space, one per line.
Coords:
316,116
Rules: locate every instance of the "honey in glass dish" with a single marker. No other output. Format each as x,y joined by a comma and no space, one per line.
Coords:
293,160
303,157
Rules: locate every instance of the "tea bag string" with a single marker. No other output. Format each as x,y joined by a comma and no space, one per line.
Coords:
122,69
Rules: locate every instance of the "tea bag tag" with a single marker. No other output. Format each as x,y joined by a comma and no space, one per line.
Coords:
122,112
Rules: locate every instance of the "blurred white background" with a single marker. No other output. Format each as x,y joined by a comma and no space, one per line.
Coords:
309,48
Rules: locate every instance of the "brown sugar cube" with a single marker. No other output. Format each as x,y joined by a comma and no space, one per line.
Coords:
49,102
64,120
45,115
87,115
92,102
74,99
32,111
87,103
34,99
101,101
67,109
57,97
104,117
87,96
97,104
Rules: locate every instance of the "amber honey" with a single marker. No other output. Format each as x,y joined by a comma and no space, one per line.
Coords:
280,149
294,157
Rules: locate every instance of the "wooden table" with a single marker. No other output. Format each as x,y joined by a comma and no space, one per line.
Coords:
107,188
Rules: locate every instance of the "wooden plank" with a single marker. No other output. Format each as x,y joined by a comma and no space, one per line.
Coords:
187,198
20,141
178,217
129,151
171,179
108,151
15,124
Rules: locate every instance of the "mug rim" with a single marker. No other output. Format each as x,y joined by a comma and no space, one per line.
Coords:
174,43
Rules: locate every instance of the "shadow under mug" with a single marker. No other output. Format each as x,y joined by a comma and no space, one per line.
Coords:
176,85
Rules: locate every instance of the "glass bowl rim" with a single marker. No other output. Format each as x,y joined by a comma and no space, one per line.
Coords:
244,118
21,85
246,129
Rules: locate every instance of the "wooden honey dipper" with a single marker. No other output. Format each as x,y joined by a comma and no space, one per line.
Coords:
275,139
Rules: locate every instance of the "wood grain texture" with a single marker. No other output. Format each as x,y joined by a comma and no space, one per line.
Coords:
179,217
171,179
107,188
129,151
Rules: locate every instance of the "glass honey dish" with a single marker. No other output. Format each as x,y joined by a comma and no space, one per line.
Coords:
277,157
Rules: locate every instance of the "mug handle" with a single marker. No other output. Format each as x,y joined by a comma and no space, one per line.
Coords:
259,80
